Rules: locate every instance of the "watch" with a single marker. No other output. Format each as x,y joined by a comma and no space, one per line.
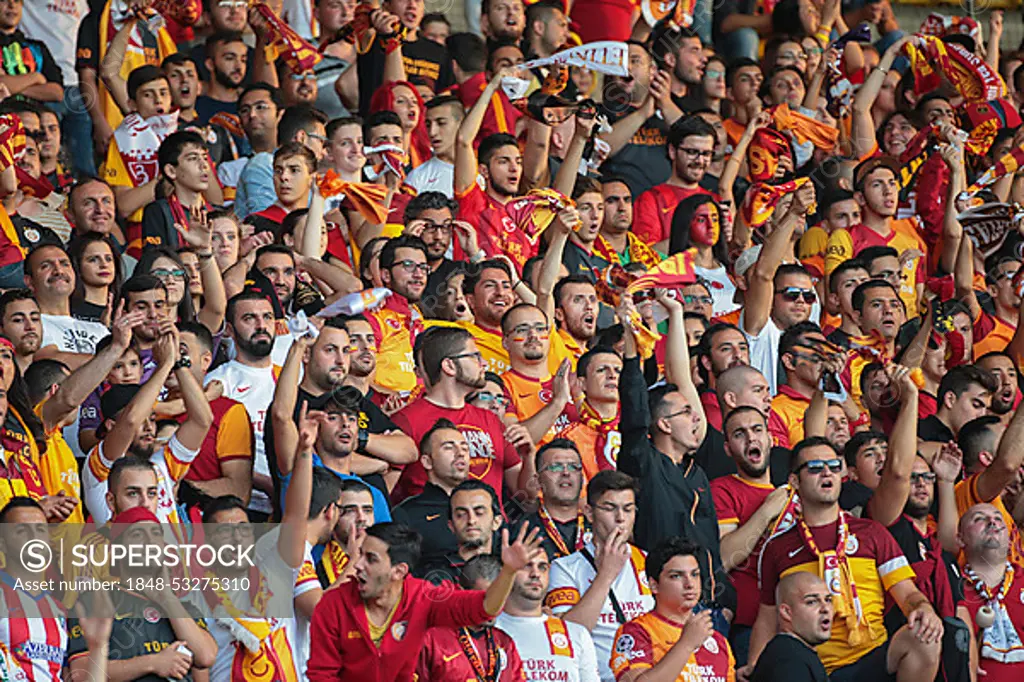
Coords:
183,362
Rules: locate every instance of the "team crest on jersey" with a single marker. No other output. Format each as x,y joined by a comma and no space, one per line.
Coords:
393,323
559,640
151,614
398,630
624,644
502,661
852,544
507,223
643,580
711,645
544,395
922,549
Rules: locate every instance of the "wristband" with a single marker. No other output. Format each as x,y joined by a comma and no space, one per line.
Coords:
182,363
204,255
364,438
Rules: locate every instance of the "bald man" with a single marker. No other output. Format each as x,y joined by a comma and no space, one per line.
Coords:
805,621
739,386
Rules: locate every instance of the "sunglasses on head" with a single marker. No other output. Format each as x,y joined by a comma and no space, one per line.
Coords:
794,294
816,466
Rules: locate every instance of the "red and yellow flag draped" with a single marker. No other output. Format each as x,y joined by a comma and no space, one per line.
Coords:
930,59
761,199
535,211
365,198
284,43
12,139
804,128
671,273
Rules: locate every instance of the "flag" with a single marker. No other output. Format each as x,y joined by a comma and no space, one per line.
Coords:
1008,164
645,338
761,199
988,225
185,12
607,56
40,187
284,43
973,79
941,25
358,32
365,198
535,211
804,128
763,153
671,273
984,120
12,140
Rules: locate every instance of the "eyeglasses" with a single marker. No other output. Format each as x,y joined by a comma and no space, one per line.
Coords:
308,76
411,266
926,476
815,50
233,3
815,467
249,109
319,138
676,414
698,153
714,73
641,296
524,330
563,468
692,299
478,356
163,273
794,294
437,227
485,397
792,55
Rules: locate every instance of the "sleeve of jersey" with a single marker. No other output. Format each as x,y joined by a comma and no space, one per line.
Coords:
839,249
587,653
647,223
725,504
562,591
632,649
234,435
768,573
307,579
76,642
178,458
893,566
455,610
778,429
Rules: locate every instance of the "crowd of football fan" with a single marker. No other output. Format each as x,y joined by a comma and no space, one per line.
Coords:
705,372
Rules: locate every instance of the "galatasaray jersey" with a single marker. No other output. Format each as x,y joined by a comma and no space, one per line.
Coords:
552,648
643,641
736,501
171,463
497,231
34,631
786,417
571,576
875,561
394,325
528,396
443,656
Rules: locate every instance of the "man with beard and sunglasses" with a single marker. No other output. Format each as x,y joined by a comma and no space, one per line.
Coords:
862,565
690,144
226,63
805,356
250,378
453,368
749,509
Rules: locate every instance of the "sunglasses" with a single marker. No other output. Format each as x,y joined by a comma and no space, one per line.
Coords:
486,398
794,294
926,476
815,467
641,296
559,468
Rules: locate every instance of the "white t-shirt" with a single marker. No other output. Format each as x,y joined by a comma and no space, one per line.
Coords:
433,175
171,463
305,581
722,289
764,348
254,388
552,648
56,22
572,575
299,15
280,608
71,335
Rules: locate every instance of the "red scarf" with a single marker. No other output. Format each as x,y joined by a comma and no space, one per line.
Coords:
556,537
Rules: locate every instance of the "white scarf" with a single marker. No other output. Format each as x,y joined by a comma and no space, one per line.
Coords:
999,642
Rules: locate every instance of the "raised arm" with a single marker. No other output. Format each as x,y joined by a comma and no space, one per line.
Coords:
127,424
79,384
291,543
739,154
193,431
535,155
1009,458
550,266
199,236
282,408
995,33
465,154
886,505
947,465
110,68
739,540
863,124
677,357
565,179
779,244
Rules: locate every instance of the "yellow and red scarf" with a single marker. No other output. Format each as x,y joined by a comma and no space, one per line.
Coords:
548,524
284,43
535,211
638,251
367,199
762,198
589,416
334,561
931,59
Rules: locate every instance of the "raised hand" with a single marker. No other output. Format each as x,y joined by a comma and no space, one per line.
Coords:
253,242
698,628
614,553
166,349
518,437
518,554
667,299
467,236
124,323
199,234
309,427
948,463
97,627
568,219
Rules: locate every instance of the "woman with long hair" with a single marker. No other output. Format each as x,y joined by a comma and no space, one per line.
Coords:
698,224
402,98
97,276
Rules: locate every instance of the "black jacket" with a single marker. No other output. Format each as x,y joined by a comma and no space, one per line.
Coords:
675,499
428,514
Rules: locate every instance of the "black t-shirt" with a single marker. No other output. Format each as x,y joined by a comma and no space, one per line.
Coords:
643,162
692,101
854,495
427,513
83,310
17,63
198,55
207,107
788,659
426,63
932,430
139,630
88,51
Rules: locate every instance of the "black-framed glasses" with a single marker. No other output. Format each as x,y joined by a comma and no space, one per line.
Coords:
437,227
524,330
698,153
670,415
794,294
815,467
923,476
563,467
478,355
411,266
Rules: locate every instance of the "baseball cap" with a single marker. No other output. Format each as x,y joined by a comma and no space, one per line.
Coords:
865,167
116,398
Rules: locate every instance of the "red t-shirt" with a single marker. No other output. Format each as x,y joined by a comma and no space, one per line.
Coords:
443,658
736,501
501,116
652,216
603,19
496,229
489,454
1014,603
230,437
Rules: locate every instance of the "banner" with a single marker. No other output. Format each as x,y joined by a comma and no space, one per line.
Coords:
940,25
987,225
930,59
607,56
